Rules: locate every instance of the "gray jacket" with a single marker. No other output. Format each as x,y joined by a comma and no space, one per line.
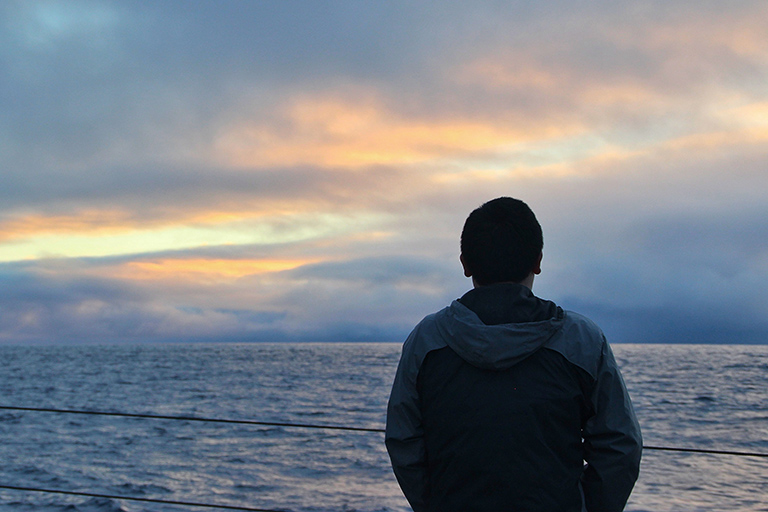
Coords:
608,439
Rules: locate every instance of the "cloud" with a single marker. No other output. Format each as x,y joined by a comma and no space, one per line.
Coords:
683,251
253,170
217,300
336,133
61,308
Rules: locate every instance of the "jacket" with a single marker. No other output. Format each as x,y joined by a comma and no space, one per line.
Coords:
498,402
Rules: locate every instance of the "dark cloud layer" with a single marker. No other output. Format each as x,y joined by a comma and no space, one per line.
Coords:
375,302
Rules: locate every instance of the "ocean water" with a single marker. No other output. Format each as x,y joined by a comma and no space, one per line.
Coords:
712,397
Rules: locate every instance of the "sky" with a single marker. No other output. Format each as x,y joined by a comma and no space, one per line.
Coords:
301,170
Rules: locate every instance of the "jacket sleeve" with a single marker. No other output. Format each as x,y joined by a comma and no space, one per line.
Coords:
612,441
404,436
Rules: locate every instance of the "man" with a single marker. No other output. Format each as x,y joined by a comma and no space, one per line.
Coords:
500,398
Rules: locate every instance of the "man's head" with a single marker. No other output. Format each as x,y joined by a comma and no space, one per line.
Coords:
501,242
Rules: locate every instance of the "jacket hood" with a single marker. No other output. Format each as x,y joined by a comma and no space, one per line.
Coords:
515,323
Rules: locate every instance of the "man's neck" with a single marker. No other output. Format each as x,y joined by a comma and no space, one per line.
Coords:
527,282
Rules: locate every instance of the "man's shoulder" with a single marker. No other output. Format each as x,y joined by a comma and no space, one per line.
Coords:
426,335
428,325
435,324
584,325
580,341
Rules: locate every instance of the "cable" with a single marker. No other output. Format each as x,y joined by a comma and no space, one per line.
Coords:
127,498
700,450
318,426
193,418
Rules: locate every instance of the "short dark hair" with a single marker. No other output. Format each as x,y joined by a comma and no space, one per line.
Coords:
501,241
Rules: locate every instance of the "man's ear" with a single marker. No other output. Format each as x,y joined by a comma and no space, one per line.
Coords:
537,267
467,272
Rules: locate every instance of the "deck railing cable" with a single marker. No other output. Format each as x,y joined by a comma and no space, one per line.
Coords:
193,418
320,426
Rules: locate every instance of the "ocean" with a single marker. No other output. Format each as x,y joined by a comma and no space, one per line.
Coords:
686,396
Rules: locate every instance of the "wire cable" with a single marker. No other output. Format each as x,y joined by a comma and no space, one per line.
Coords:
194,418
128,498
702,450
321,426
